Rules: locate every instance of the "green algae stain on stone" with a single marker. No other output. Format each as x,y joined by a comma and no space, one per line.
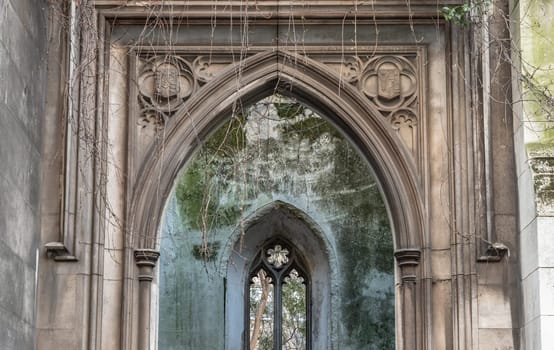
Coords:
279,150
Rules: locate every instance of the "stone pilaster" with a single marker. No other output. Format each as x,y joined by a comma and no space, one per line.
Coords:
146,260
408,262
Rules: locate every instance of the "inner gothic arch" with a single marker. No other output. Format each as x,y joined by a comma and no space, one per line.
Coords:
276,149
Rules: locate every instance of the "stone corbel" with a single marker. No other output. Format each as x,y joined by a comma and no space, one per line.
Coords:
494,253
408,262
146,260
59,252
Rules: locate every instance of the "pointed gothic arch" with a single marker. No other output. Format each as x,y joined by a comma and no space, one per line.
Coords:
285,221
316,86
322,90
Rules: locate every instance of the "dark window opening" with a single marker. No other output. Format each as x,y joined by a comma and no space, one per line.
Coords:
278,315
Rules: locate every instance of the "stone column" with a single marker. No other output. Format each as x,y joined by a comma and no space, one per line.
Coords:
146,261
408,261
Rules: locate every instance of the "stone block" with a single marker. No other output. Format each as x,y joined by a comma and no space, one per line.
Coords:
531,337
111,316
113,263
18,224
12,272
59,313
14,333
526,200
506,233
490,273
494,307
547,332
519,148
20,159
531,297
546,281
496,339
23,97
48,339
529,249
545,241
440,260
441,304
24,50
32,14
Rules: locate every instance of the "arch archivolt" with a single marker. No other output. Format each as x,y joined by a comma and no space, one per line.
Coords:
352,103
375,101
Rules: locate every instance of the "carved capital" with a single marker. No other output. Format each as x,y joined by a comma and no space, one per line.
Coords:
408,261
146,261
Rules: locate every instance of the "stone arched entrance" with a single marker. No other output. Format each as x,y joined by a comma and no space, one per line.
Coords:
320,88
391,78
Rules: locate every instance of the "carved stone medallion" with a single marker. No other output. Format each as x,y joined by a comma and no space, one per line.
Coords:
389,82
165,83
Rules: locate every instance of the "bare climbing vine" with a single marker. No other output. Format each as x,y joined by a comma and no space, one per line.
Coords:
471,16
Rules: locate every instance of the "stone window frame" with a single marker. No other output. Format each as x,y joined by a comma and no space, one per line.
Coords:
310,239
278,273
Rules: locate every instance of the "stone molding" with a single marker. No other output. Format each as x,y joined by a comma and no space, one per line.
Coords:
64,248
391,78
275,9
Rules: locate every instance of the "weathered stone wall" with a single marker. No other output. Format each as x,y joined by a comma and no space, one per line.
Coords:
22,76
535,153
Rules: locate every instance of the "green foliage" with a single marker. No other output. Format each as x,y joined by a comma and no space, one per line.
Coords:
461,14
289,110
196,190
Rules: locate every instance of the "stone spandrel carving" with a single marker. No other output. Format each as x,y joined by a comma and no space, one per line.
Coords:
165,83
389,82
207,67
404,121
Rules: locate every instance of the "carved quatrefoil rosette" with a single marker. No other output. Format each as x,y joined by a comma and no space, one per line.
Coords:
389,82
278,256
165,83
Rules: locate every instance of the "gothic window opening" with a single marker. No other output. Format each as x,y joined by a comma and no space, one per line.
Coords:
278,300
276,177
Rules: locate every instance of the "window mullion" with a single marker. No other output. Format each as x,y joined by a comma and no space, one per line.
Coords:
278,314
